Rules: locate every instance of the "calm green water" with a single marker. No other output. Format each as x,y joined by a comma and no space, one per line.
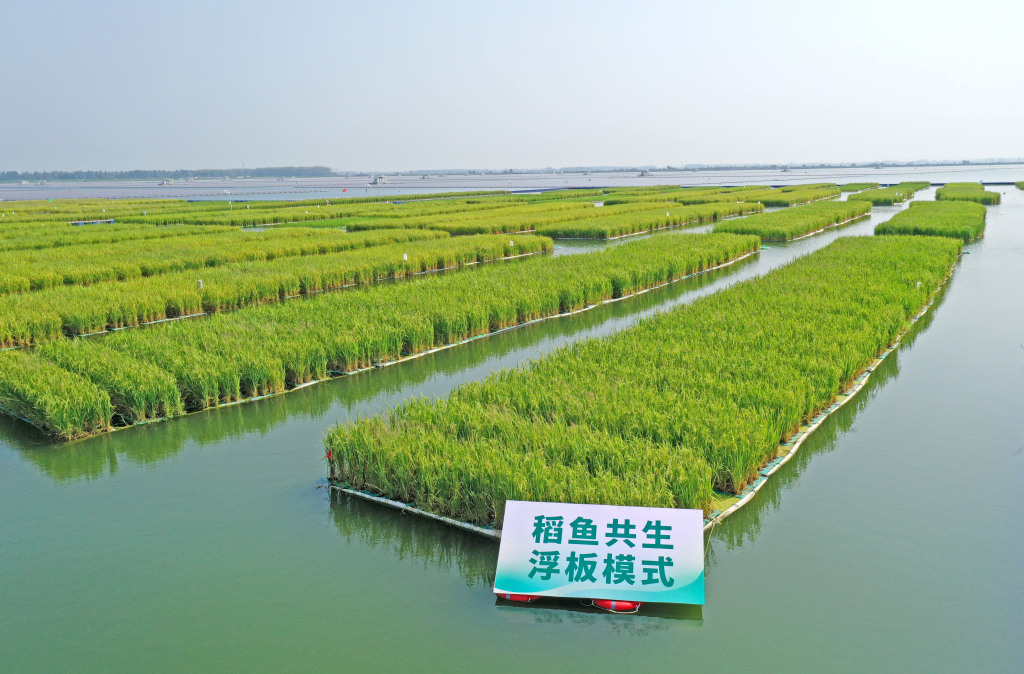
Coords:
893,541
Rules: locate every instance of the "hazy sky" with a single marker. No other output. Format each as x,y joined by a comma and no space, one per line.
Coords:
401,85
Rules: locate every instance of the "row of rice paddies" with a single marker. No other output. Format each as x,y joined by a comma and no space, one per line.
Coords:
58,235
64,211
530,217
967,192
272,213
323,210
509,217
768,196
683,195
33,318
792,196
455,216
857,187
26,270
247,212
431,196
958,219
888,196
792,223
695,195
616,223
691,400
267,349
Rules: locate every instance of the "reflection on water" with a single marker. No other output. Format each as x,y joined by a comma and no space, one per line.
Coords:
651,617
433,545
407,537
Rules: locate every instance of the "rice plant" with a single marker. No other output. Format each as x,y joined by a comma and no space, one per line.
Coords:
796,195
798,221
617,223
857,187
691,400
958,219
967,192
887,196
44,315
138,390
263,350
84,264
58,235
60,403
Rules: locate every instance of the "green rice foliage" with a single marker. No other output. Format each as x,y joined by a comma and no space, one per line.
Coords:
958,219
58,235
263,350
795,195
61,403
967,192
138,390
857,187
510,218
692,399
37,317
83,264
768,196
887,196
798,221
617,224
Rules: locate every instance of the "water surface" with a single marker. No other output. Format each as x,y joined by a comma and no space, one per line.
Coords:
893,540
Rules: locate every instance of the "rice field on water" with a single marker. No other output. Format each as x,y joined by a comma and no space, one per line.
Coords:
35,269
255,214
264,350
888,196
662,414
791,223
767,196
58,235
51,313
616,223
958,219
61,280
967,192
857,187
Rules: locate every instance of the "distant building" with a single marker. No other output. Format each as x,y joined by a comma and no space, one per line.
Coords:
379,180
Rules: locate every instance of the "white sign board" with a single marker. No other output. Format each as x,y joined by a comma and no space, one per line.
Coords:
602,552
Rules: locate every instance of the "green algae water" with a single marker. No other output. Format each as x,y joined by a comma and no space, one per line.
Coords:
893,540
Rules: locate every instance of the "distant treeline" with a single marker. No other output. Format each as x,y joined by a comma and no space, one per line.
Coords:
181,174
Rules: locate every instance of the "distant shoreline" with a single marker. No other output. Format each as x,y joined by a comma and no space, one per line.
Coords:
294,172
